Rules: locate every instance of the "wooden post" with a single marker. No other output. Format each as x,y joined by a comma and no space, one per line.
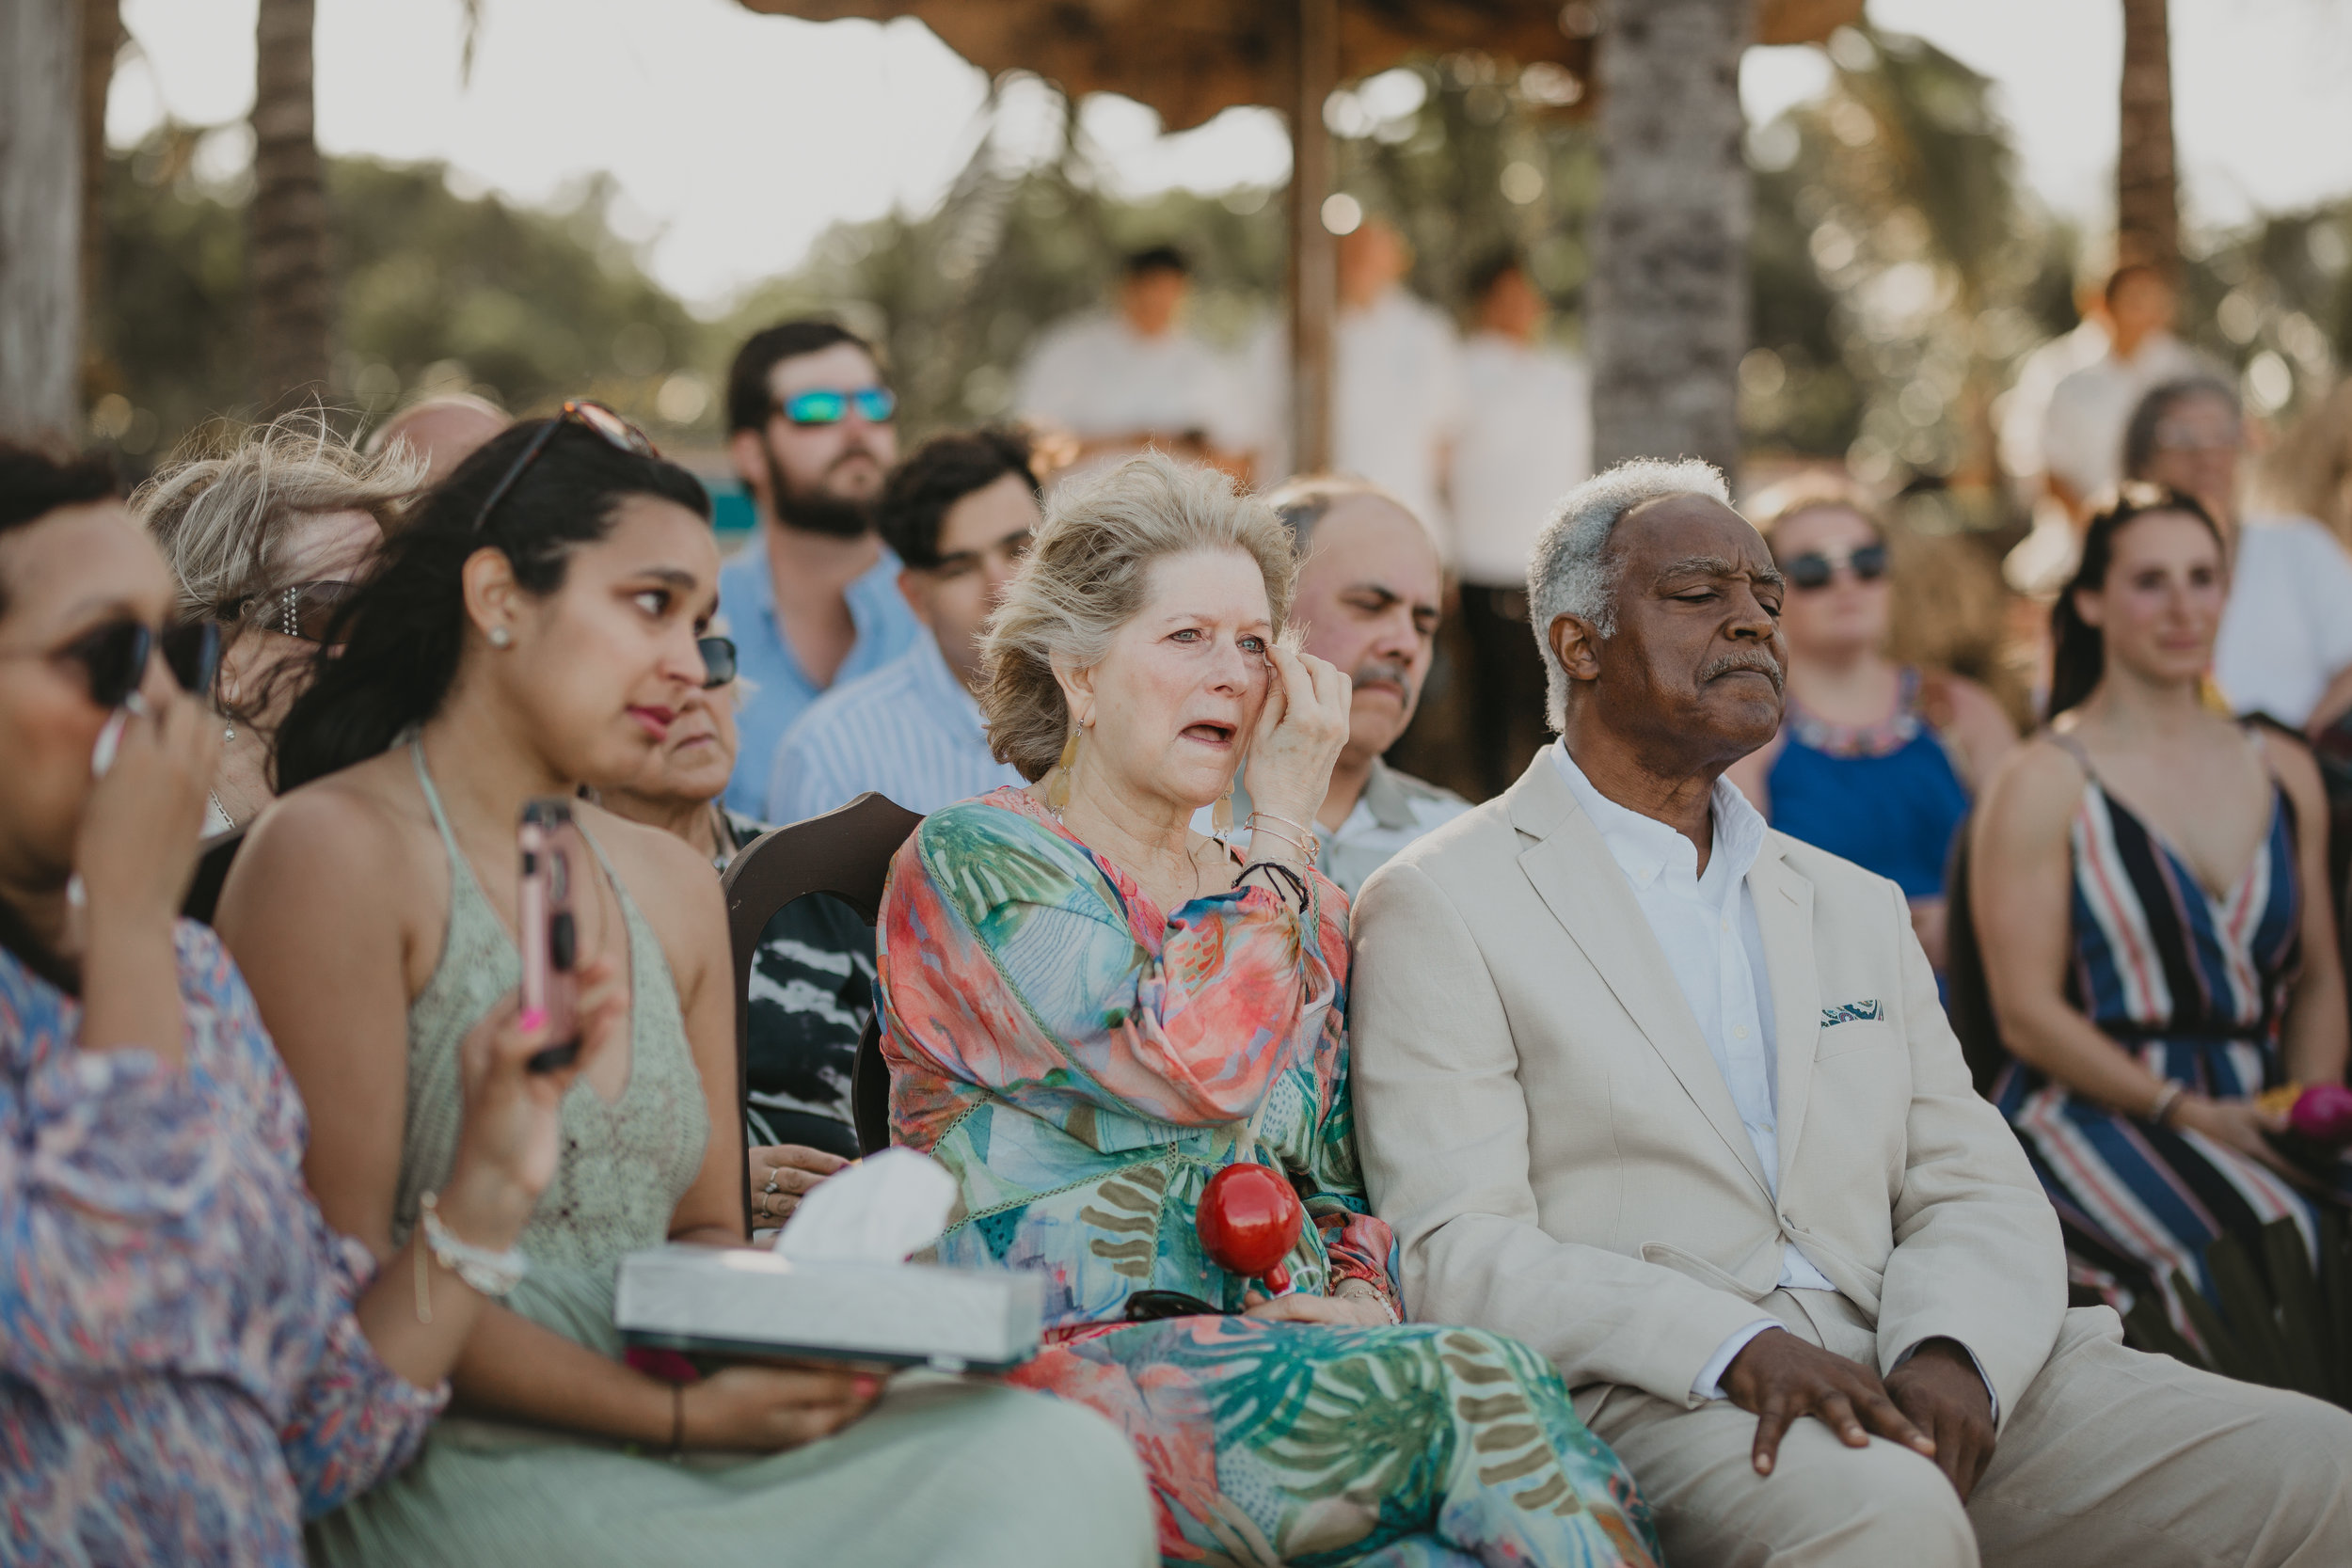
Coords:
1667,313
41,217
1313,279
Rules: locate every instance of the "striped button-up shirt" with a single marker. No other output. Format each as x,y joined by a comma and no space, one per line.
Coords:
909,730
778,690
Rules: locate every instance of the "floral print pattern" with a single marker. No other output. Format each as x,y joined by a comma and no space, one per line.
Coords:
1083,1063
182,1379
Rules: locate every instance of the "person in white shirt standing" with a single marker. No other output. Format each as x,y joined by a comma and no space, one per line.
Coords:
1526,441
1669,1097
956,516
2082,434
1396,379
1121,380
2285,645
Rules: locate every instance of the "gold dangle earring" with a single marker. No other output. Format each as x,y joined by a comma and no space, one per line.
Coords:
1057,783
1221,815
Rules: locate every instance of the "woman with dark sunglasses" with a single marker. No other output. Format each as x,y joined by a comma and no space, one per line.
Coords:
190,1359
534,628
269,538
1875,761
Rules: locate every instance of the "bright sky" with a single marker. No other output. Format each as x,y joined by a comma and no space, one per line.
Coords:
735,139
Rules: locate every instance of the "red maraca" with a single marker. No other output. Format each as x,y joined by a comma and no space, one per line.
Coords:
1248,1221
2320,1113
2323,1112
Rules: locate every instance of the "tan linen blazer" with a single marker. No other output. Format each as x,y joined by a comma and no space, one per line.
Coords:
1542,1123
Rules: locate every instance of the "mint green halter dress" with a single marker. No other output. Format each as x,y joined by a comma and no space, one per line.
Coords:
910,1483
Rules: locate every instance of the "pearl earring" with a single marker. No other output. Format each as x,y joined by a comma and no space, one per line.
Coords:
231,734
498,638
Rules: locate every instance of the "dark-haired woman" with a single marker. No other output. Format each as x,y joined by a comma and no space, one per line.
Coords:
534,628
190,1359
2141,880
2284,649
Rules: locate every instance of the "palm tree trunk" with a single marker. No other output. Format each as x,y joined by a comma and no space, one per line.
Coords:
41,196
289,212
102,41
2147,208
1669,308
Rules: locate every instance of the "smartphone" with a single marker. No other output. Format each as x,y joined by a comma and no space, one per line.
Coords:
548,924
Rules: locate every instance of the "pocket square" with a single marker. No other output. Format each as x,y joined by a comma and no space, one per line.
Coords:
1850,1012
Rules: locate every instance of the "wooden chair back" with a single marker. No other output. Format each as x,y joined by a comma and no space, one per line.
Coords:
1967,996
845,852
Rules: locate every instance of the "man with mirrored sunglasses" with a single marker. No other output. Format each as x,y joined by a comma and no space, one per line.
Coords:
813,599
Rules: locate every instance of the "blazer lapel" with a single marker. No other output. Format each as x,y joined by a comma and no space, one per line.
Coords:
1784,918
1585,889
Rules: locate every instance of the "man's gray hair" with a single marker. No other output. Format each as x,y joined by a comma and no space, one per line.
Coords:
1572,570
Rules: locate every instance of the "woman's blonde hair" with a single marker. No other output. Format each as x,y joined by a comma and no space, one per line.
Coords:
222,519
1086,576
1813,491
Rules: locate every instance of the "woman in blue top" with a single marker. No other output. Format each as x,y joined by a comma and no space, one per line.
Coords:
1875,761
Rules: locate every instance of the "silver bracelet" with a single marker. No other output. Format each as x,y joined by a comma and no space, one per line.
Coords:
493,1273
1310,849
2167,1098
1374,1292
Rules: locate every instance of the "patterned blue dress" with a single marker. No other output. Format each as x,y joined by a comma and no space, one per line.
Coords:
181,1375
2196,988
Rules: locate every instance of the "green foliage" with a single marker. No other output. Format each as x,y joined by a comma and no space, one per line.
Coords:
529,306
437,292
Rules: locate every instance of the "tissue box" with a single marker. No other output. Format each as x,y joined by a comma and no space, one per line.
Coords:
757,1304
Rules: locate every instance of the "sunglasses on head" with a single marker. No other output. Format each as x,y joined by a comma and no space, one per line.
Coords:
831,406
597,419
718,661
114,656
304,610
1815,568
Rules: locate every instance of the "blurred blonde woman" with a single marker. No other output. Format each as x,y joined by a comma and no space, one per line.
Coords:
269,538
1875,761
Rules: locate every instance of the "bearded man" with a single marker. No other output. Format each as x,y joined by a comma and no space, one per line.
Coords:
815,599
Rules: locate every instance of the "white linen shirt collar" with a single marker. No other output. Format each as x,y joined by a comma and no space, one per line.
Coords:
1706,925
1716,950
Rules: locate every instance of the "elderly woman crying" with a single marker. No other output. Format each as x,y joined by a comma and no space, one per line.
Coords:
1090,1009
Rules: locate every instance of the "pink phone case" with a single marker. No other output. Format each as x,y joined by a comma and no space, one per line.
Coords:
547,927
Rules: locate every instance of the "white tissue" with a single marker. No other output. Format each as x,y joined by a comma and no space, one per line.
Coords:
876,1211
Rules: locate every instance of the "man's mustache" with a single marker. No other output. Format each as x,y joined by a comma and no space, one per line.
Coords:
1389,669
1762,663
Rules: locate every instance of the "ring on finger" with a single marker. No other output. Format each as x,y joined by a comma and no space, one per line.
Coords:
772,1173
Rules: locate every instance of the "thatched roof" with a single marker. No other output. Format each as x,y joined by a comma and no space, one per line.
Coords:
1191,58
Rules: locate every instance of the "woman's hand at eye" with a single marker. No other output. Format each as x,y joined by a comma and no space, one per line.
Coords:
1300,733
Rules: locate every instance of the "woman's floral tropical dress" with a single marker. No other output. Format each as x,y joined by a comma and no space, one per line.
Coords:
1083,1064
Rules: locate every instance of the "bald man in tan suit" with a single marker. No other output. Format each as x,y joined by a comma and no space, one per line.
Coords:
1670,1097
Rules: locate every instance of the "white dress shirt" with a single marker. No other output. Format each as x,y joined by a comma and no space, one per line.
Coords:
1095,375
1396,399
2287,629
2082,431
1706,923
1526,440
